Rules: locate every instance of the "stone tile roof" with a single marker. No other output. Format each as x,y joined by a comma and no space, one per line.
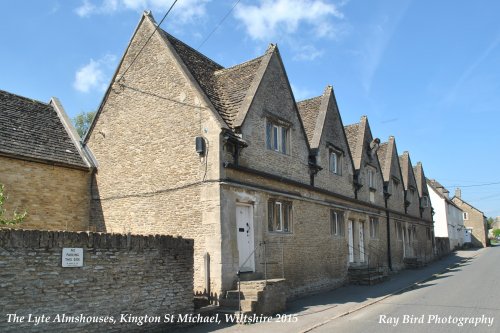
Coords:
352,133
33,130
309,111
420,178
225,87
232,85
384,157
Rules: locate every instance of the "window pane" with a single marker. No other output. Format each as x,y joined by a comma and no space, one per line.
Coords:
269,135
333,162
275,138
284,135
286,217
340,218
278,224
333,223
270,215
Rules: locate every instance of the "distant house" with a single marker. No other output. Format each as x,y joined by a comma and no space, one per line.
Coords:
448,218
474,220
42,166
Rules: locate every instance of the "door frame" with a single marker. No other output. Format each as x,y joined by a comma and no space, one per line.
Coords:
350,240
250,264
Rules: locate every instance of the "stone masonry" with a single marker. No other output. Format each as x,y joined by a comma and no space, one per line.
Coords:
55,197
121,275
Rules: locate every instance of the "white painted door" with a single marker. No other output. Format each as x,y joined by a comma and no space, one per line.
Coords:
245,234
350,241
361,242
468,238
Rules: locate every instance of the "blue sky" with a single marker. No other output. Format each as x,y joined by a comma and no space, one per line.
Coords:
424,71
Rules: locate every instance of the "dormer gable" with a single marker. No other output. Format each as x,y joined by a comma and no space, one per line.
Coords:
329,147
391,171
412,196
425,202
368,180
269,122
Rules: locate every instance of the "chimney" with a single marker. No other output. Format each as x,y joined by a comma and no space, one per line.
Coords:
458,193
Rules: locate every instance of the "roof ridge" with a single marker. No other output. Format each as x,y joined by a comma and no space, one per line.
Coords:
220,71
24,97
192,49
309,99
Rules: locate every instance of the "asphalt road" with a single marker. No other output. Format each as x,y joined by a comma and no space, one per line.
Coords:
444,303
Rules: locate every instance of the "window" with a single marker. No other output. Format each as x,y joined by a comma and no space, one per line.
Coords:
335,162
336,223
425,201
277,138
428,230
371,180
373,227
399,231
466,216
279,216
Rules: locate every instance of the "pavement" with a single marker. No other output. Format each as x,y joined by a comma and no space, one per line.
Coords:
312,312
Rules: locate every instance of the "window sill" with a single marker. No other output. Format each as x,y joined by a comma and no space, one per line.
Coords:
276,233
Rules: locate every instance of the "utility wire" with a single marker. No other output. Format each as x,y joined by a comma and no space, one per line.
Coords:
218,25
142,48
475,185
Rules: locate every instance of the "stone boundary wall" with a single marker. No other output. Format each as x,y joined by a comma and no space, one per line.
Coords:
442,246
123,279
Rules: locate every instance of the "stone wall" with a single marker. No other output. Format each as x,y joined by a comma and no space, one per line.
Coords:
150,179
442,246
55,198
121,275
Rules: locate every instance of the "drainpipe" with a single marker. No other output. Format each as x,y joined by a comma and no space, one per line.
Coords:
386,199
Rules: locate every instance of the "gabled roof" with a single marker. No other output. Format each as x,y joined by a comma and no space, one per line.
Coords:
466,203
352,133
356,135
33,130
407,170
226,88
441,191
309,110
418,170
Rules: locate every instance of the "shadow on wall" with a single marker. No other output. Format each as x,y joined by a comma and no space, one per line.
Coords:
96,215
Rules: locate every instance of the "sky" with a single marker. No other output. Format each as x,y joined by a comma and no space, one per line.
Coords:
426,71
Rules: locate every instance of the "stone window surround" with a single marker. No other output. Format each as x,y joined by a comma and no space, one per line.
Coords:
285,216
272,123
338,153
374,228
337,223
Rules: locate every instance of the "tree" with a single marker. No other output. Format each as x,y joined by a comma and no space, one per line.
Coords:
496,232
82,122
16,217
490,222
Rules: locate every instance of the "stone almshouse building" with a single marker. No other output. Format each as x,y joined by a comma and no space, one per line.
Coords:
262,183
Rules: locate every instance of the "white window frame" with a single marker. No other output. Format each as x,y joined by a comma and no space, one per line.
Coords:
278,138
281,219
336,223
465,216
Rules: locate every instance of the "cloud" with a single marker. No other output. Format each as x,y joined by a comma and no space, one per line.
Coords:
185,11
271,18
95,74
307,53
301,94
